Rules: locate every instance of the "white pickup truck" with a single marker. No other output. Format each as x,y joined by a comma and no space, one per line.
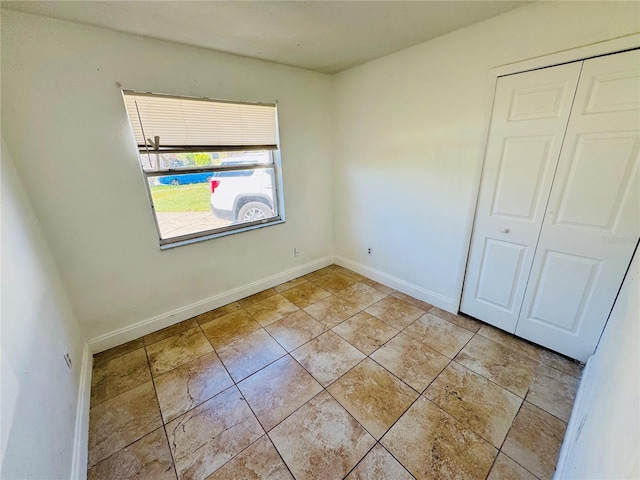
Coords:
242,196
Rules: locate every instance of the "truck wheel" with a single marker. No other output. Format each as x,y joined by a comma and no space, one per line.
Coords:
252,211
175,181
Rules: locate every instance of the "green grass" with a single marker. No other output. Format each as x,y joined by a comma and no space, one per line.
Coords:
181,198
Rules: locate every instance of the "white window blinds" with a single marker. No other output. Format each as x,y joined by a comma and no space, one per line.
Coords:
164,123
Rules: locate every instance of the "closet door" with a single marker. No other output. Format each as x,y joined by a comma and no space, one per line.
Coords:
592,223
528,123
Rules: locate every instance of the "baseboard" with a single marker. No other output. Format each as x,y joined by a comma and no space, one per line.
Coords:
575,423
131,332
81,437
407,288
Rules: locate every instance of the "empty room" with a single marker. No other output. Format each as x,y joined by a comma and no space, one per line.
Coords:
320,240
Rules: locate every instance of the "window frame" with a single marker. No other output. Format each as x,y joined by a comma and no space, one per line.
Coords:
203,235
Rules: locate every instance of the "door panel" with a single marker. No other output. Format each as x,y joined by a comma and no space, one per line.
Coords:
592,224
613,92
499,273
540,102
594,188
528,123
522,165
572,275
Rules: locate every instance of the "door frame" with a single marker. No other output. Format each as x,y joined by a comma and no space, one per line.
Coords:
607,47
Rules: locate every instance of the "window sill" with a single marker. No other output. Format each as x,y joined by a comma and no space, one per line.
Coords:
171,243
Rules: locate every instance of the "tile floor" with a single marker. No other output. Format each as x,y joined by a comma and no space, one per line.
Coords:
330,375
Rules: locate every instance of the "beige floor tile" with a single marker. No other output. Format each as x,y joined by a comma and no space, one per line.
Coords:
356,276
290,284
479,404
191,384
422,305
207,437
365,332
395,312
553,391
255,298
305,294
332,310
230,327
413,301
148,457
218,312
103,357
295,330
439,334
170,331
499,364
271,309
321,440
379,464
411,361
373,396
361,295
259,461
122,420
318,273
511,341
378,286
177,350
323,271
118,375
249,354
570,367
446,448
506,469
278,390
534,440
327,357
350,273
334,282
460,320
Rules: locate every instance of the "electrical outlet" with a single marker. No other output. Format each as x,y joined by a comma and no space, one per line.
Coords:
296,252
369,251
67,358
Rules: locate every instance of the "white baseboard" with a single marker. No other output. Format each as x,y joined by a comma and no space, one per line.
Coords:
407,288
81,437
575,423
137,330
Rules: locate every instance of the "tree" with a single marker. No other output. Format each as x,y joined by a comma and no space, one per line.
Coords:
197,159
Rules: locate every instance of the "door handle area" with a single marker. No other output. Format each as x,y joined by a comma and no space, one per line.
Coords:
505,230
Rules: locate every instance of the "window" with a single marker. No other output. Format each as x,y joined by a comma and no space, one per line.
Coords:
211,167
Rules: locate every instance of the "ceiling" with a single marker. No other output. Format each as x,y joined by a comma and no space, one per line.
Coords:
324,36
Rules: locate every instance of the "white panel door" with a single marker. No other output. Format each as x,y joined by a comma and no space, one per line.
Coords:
592,223
529,119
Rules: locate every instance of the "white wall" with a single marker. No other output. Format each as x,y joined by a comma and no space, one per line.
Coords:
608,445
68,129
408,138
39,392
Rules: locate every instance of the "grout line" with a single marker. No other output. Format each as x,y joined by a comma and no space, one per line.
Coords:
279,454
392,456
363,457
128,445
520,465
92,404
505,439
164,428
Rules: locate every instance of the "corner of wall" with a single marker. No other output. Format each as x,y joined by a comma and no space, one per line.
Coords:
81,437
